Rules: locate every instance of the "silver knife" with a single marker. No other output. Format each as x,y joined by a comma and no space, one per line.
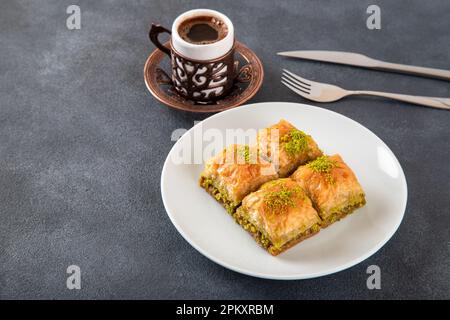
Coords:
360,60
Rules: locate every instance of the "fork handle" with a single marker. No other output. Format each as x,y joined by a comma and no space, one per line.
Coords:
441,103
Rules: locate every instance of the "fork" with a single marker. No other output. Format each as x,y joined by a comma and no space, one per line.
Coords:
323,92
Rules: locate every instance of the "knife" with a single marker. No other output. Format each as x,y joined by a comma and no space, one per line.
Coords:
360,60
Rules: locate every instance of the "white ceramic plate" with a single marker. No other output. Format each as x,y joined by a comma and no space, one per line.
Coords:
208,228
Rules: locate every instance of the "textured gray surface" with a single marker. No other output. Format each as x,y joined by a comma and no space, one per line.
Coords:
82,144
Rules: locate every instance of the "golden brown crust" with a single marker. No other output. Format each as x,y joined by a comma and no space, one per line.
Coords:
272,143
280,210
330,191
293,242
341,214
237,176
267,245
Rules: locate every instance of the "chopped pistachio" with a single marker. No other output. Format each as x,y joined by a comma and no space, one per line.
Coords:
281,199
295,141
323,165
243,153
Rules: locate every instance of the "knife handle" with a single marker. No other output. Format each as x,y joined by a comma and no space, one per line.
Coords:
421,71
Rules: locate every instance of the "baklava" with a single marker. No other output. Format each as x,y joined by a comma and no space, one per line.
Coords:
286,147
234,173
332,187
278,216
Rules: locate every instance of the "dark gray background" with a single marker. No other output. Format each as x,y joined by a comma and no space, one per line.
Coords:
82,144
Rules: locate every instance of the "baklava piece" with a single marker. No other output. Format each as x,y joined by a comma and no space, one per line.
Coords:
332,187
234,173
278,216
287,147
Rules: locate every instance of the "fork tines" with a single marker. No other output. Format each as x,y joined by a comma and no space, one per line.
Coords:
296,83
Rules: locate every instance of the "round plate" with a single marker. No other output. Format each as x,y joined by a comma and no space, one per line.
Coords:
249,80
205,224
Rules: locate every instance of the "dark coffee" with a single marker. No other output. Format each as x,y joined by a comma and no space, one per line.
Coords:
202,30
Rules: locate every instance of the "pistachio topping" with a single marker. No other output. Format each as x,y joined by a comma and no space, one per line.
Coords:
281,199
243,153
295,141
323,165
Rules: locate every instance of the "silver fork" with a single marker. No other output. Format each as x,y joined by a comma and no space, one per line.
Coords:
323,92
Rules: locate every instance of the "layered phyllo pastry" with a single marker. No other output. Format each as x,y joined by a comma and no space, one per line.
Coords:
278,215
234,173
332,187
286,147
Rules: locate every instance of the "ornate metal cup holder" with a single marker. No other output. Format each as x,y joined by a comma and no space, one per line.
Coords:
248,81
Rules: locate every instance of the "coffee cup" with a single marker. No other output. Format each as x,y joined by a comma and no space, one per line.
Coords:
201,50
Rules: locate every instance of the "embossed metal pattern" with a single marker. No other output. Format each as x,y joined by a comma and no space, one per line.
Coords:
203,81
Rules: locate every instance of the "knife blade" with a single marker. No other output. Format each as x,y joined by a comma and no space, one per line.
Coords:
360,60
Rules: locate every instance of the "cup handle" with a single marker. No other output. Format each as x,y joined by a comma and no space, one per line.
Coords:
155,30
